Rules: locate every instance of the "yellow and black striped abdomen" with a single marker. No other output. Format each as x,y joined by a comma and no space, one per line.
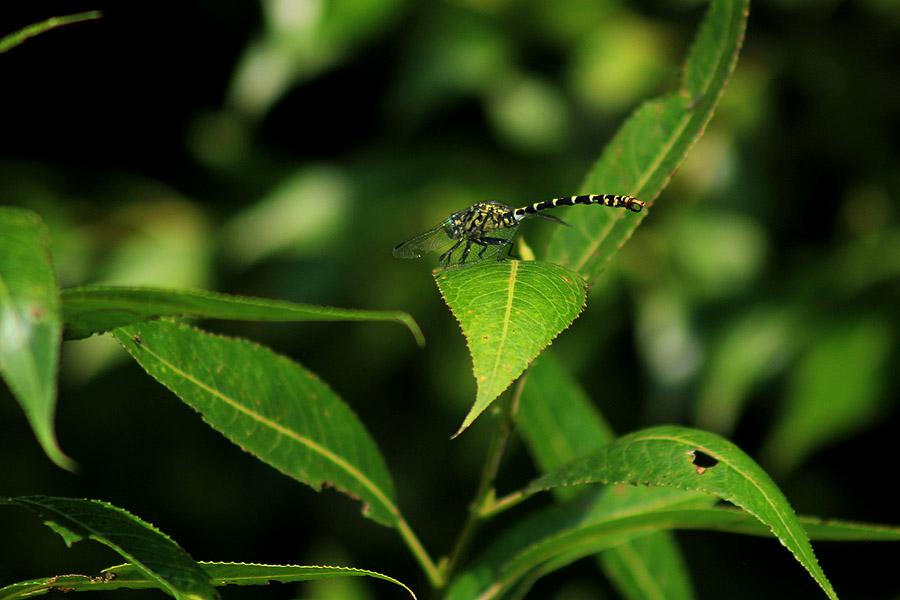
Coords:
611,200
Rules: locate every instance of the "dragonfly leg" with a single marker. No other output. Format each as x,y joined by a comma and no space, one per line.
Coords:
489,241
446,255
465,253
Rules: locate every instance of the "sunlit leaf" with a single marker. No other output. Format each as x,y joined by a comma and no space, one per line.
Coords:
270,406
30,323
157,557
648,148
509,311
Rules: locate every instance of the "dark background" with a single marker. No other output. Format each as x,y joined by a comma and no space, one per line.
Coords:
216,145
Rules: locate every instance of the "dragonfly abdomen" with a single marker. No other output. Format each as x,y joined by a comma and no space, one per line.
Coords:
611,200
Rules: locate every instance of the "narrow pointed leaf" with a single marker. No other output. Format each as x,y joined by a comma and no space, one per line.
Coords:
268,405
95,309
567,545
230,573
30,323
693,460
567,534
12,40
654,141
508,311
156,556
219,573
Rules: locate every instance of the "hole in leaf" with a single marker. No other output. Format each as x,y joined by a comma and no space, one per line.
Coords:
702,461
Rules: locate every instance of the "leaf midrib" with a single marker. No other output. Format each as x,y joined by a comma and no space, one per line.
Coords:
504,332
290,434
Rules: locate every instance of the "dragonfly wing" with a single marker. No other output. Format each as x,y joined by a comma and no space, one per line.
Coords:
423,243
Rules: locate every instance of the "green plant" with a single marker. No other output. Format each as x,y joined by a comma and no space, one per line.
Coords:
509,312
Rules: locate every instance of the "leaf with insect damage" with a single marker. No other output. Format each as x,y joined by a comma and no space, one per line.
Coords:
691,459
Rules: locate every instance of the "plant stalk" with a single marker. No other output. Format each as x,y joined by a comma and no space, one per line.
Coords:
484,495
435,576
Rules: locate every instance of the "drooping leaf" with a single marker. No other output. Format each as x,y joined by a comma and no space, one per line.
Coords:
157,557
12,40
654,141
95,309
693,460
219,573
268,405
30,323
508,311
559,423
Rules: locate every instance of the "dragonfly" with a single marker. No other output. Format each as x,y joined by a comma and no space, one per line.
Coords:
491,225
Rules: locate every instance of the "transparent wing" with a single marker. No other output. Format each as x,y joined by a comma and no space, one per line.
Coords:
433,239
488,248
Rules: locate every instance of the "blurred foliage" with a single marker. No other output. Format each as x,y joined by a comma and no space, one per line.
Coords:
282,148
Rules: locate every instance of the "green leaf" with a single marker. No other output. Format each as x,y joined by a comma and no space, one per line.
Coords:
693,460
270,406
159,559
654,141
220,573
557,536
96,309
750,350
648,567
30,323
557,420
552,538
12,40
509,311
837,389
559,423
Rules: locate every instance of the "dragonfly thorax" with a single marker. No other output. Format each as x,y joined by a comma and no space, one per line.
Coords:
479,220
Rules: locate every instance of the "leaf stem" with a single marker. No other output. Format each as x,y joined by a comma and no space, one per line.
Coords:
484,495
435,576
